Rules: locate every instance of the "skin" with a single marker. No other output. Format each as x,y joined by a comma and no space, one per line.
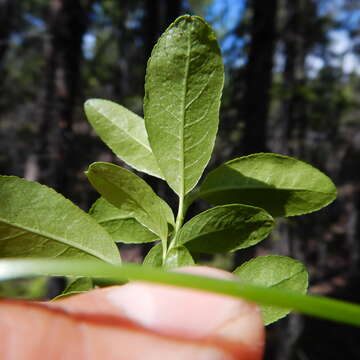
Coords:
134,321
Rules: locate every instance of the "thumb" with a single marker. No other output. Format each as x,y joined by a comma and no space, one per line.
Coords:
131,322
174,311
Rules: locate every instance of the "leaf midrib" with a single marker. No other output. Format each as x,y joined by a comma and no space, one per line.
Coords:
182,125
140,206
54,238
223,188
114,218
281,281
213,233
147,147
288,278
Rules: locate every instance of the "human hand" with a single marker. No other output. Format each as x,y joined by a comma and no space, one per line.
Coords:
134,321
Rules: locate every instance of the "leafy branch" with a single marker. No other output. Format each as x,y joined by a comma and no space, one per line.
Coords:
174,142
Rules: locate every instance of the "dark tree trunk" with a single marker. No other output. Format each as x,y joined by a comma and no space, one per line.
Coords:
173,10
67,23
290,139
152,24
159,15
254,107
7,14
294,116
258,77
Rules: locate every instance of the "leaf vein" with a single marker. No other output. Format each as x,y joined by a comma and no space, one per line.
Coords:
197,96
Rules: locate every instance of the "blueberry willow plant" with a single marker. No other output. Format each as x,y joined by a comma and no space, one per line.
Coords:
173,142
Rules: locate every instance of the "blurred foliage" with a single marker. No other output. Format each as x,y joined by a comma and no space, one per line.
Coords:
34,288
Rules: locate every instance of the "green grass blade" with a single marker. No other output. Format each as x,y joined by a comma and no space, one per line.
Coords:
326,308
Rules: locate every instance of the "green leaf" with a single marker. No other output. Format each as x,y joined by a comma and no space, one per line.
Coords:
131,194
124,132
281,185
226,228
36,221
280,272
178,256
183,86
121,228
154,256
77,286
322,307
27,289
80,284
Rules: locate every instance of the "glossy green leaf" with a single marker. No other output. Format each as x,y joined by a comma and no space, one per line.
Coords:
184,80
131,194
80,284
280,272
154,256
282,185
124,132
128,231
226,228
121,228
77,286
36,221
322,307
178,256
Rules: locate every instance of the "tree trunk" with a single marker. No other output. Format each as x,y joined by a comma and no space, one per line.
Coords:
294,116
67,24
254,107
292,129
258,77
173,10
7,14
159,15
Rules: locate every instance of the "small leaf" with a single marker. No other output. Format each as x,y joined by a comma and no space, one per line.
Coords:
129,231
131,194
36,221
178,256
154,256
183,86
124,132
121,228
281,185
77,286
80,284
226,228
280,272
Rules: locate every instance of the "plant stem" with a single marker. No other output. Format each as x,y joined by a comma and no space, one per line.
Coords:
165,250
180,215
179,221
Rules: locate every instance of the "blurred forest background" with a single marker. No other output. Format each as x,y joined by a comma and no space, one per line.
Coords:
292,87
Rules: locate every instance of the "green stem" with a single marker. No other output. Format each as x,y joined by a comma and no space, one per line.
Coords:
322,307
179,222
164,250
180,215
